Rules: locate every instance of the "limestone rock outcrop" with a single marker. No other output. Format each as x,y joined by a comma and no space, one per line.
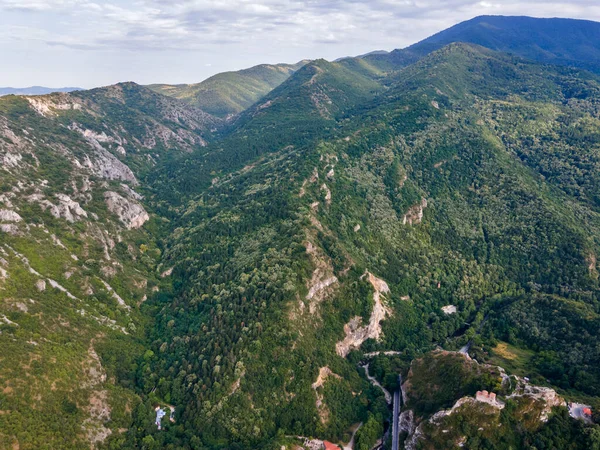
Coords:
129,212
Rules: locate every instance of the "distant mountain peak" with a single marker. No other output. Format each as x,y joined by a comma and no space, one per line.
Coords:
569,42
35,90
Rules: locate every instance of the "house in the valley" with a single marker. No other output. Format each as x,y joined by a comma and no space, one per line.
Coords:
160,413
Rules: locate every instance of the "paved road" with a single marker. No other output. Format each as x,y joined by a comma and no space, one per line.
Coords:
396,416
350,445
388,396
395,420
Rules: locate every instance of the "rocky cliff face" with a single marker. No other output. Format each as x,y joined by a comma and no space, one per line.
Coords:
531,405
129,212
75,260
356,333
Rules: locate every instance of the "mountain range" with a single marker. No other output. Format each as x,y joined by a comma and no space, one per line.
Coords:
230,92
275,257
35,90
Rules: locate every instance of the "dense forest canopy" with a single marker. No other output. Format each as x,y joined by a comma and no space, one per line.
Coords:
266,278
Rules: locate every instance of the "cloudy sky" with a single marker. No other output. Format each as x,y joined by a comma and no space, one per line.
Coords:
91,43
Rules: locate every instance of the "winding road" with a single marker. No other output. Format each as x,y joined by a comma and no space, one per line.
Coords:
374,382
465,350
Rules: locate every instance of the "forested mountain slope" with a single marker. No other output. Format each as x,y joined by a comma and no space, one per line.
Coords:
557,41
303,108
363,213
567,42
230,92
419,198
78,255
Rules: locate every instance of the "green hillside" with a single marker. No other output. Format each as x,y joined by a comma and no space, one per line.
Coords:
79,255
269,277
272,269
554,41
566,42
230,92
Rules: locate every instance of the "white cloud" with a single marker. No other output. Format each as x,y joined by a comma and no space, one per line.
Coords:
234,33
194,24
41,5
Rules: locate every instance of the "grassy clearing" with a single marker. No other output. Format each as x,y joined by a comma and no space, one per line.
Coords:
514,359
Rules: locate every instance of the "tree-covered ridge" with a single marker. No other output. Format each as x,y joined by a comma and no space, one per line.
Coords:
230,93
75,262
359,208
413,184
300,111
454,402
255,264
563,42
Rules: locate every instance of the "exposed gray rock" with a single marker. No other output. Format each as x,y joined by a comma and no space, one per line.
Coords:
114,294
66,208
11,160
9,228
547,395
130,192
449,309
325,188
129,212
108,271
40,285
57,242
167,272
7,215
356,333
406,422
47,105
4,198
100,137
56,285
106,165
415,213
103,163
